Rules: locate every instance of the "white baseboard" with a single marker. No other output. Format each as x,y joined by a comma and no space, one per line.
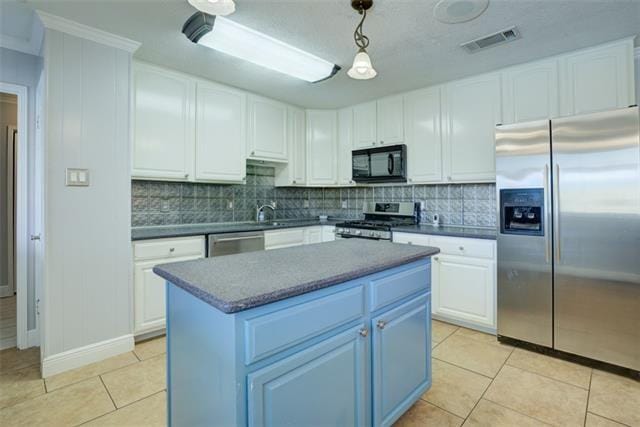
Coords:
7,343
82,356
465,324
33,338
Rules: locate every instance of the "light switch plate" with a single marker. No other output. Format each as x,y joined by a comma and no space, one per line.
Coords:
77,177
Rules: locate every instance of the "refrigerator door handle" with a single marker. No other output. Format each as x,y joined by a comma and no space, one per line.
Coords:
547,209
556,213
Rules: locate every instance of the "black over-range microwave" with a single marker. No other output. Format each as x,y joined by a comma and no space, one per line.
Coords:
381,164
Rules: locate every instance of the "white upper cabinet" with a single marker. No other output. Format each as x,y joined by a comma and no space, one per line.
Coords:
345,146
364,125
390,120
597,79
163,124
267,129
530,92
220,133
322,147
471,108
294,172
423,135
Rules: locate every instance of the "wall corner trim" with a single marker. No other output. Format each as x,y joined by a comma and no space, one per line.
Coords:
78,357
636,52
73,28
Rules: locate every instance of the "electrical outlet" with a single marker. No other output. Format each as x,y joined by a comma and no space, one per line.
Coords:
344,204
305,203
229,204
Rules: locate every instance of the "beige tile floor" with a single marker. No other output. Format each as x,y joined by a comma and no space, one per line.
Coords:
476,382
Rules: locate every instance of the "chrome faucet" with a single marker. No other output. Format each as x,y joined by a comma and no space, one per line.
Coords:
259,210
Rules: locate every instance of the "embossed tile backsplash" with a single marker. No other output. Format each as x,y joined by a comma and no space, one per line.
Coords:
171,203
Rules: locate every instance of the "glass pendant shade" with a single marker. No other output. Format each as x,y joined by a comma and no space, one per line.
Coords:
214,7
362,68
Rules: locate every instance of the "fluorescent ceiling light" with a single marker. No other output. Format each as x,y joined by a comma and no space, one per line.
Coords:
214,7
245,43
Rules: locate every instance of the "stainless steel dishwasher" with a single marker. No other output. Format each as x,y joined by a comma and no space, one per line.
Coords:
235,243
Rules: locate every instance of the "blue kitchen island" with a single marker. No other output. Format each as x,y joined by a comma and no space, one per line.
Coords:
331,334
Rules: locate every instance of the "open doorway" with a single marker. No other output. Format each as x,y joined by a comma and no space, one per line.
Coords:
13,216
8,164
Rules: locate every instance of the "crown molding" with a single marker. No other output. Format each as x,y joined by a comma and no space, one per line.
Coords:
73,28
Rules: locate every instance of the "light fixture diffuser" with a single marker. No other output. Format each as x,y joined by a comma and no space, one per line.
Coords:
214,7
258,48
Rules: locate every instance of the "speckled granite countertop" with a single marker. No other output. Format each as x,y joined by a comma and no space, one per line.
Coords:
164,231
446,230
235,283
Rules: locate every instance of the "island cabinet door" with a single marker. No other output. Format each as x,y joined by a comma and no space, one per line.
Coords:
324,385
401,359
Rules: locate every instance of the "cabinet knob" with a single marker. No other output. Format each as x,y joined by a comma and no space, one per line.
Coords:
294,181
409,243
186,175
244,178
253,153
448,178
381,324
381,142
410,179
373,143
172,249
436,259
461,248
363,332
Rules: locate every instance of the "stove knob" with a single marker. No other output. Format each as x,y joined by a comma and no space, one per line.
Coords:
358,232
339,230
347,231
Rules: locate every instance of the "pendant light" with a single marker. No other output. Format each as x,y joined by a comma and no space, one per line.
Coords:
362,68
214,7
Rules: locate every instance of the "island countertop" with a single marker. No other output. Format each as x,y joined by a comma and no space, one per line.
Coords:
239,282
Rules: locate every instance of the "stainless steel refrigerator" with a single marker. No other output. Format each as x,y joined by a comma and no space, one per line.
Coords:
569,234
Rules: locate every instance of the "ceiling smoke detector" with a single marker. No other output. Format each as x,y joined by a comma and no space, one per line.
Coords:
457,11
501,37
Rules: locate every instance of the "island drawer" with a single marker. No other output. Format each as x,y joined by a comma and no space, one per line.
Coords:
475,248
274,332
392,288
168,248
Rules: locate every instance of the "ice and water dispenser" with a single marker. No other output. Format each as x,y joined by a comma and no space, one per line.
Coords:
521,211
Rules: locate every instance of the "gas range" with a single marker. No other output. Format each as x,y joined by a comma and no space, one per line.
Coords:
379,219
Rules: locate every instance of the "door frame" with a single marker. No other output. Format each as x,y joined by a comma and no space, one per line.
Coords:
21,212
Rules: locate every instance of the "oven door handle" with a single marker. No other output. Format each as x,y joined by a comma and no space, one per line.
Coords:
390,164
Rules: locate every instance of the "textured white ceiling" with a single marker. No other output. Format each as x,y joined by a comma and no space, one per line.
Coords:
409,48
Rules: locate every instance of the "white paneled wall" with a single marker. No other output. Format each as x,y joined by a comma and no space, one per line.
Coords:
87,278
23,69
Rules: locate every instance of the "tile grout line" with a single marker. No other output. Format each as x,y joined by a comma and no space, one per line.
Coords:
490,384
108,394
548,377
586,409
466,369
123,407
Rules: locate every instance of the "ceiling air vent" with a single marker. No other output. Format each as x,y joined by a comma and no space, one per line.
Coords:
491,40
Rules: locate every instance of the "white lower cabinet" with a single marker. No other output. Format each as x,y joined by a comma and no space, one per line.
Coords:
312,235
465,289
278,239
463,277
149,289
328,233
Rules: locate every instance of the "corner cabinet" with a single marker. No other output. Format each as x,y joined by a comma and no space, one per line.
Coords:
294,172
163,124
267,129
322,135
353,354
220,134
423,134
149,305
472,109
